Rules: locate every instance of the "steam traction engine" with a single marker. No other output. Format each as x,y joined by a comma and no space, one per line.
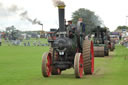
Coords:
101,42
68,51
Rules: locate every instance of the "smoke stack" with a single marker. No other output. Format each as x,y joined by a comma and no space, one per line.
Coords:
61,18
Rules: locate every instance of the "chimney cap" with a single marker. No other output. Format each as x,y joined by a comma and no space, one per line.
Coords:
61,6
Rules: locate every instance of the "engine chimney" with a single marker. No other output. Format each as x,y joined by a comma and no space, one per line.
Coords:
61,18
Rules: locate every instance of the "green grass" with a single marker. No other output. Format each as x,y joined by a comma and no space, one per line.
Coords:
21,65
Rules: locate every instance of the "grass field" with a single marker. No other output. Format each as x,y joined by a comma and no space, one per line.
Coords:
21,65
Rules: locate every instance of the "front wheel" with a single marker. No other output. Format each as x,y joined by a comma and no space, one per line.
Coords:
78,65
46,64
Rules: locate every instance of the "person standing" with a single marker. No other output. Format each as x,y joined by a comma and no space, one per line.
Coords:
80,27
80,32
70,28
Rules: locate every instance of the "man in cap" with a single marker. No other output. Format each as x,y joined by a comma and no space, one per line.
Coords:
80,27
70,28
80,31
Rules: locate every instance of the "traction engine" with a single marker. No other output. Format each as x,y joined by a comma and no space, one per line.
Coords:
67,52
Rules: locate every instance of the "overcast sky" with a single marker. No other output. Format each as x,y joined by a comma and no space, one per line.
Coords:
112,12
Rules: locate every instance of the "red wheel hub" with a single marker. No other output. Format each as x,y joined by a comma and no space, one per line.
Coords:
48,65
81,66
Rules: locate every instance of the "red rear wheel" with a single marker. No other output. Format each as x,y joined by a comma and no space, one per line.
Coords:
92,58
78,65
46,64
88,57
